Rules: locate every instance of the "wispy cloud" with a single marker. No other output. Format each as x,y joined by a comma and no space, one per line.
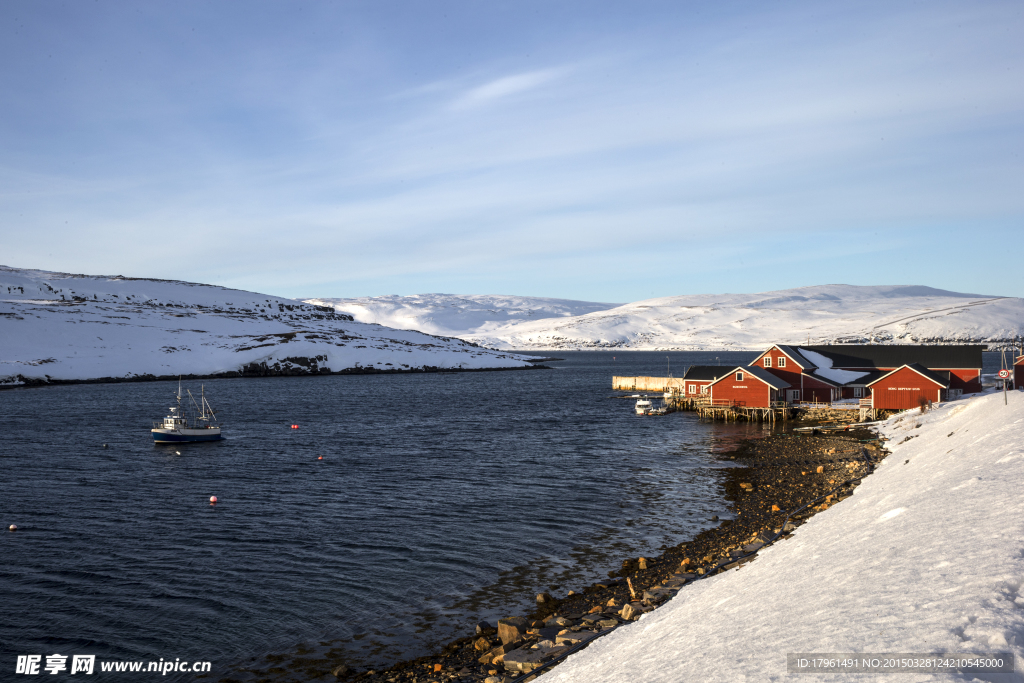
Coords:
507,86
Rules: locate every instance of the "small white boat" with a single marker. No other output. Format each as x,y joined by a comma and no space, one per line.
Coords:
643,406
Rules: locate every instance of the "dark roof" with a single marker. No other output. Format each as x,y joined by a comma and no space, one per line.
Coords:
940,378
762,374
898,355
867,379
795,355
824,379
706,373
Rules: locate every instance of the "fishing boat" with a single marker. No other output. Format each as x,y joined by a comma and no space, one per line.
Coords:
197,422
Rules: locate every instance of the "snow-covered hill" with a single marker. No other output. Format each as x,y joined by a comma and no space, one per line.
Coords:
822,314
56,326
454,315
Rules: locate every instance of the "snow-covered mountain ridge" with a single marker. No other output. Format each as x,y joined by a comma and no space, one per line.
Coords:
456,315
899,314
63,327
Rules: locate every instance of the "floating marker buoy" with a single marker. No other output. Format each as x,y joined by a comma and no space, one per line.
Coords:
13,527
177,452
213,500
320,458
295,426
104,445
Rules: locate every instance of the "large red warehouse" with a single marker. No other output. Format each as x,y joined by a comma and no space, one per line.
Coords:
1018,373
749,387
907,387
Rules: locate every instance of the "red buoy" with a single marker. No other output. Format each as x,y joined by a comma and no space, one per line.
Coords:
213,500
295,426
320,458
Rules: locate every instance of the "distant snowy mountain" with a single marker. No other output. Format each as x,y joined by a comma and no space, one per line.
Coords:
822,314
454,315
56,326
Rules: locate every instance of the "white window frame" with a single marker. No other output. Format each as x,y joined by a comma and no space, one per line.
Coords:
858,392
704,389
782,362
767,361
693,388
739,376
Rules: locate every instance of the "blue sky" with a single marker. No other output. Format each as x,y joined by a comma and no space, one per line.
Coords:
588,150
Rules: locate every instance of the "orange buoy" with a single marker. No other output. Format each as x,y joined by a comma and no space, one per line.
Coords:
13,527
213,500
320,458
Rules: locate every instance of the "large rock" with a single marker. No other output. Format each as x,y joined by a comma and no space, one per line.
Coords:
631,611
574,637
528,659
512,629
341,671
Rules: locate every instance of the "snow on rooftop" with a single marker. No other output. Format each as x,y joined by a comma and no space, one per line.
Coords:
926,557
826,370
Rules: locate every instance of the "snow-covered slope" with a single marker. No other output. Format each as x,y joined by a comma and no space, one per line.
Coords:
822,314
454,315
926,557
56,326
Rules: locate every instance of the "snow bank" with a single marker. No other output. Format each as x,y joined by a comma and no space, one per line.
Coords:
56,326
927,556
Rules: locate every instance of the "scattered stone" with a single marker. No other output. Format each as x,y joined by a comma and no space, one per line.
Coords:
482,644
543,598
642,562
340,671
512,629
483,626
753,547
612,603
821,469
608,623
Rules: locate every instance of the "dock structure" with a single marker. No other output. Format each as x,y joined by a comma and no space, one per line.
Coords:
659,384
733,411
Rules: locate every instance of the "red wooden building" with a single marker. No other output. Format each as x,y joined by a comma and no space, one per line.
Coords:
787,363
961,361
748,387
1018,373
827,373
906,387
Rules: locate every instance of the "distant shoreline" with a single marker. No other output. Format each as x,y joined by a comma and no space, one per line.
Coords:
32,383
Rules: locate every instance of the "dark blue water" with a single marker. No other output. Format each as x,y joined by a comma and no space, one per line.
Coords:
441,499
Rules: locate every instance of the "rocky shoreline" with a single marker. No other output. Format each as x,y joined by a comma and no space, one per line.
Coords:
253,370
779,474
